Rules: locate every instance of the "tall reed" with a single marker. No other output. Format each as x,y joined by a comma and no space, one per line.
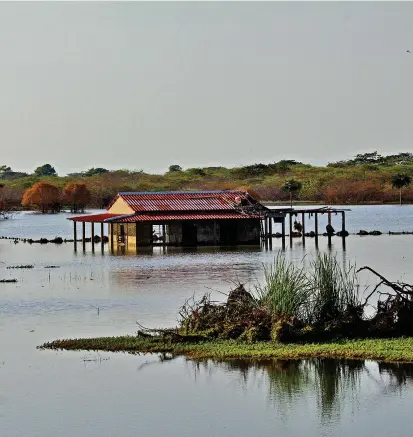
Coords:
324,292
335,289
286,289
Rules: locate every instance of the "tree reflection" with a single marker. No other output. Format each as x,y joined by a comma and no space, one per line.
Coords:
326,382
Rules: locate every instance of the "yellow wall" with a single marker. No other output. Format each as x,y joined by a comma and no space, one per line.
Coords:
120,207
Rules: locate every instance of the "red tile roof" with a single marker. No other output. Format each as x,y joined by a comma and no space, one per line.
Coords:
184,200
182,205
94,218
133,218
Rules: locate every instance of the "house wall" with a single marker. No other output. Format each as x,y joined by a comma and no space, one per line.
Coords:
248,231
205,232
120,207
174,233
143,231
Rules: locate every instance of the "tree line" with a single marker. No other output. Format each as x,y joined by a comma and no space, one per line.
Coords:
366,178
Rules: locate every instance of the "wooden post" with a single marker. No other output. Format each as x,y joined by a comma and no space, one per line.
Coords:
102,234
111,238
343,222
303,226
266,232
215,233
164,235
84,235
270,231
291,228
75,234
283,232
92,232
136,237
316,228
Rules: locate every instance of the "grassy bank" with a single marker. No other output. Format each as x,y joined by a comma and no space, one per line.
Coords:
390,350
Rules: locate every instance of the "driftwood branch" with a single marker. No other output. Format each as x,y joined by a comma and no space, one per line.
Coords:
402,289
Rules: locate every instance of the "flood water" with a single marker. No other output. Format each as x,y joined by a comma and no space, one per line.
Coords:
49,393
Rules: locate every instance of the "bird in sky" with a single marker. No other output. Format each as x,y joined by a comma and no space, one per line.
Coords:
408,51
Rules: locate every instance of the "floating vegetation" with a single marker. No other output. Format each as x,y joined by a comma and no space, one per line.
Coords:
27,266
296,312
56,240
7,281
297,304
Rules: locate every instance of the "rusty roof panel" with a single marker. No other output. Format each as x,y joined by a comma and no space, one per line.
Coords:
94,218
170,217
183,200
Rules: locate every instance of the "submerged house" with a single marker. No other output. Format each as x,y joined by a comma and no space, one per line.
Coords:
182,218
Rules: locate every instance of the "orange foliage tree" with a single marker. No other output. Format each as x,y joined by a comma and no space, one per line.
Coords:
76,195
42,196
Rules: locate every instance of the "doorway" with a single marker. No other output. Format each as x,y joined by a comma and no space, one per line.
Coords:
228,233
189,234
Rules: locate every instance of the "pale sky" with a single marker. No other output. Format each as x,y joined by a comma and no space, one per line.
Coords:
146,85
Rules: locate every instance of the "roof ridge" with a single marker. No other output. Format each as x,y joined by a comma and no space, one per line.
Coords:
149,193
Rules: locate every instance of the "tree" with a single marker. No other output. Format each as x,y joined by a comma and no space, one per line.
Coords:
400,181
94,171
5,170
45,170
76,195
42,196
292,186
174,168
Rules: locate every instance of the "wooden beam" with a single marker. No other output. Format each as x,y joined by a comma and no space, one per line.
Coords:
303,226
84,236
111,237
75,235
92,239
283,232
266,232
164,234
291,228
102,235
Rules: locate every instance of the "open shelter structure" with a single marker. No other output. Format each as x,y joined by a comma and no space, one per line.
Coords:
182,218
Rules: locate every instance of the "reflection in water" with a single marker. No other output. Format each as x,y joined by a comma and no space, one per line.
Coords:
333,382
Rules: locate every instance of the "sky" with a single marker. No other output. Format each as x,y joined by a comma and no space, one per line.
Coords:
147,85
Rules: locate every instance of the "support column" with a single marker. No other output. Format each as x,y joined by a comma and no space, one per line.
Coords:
270,231
92,232
343,222
316,228
291,228
283,233
266,232
75,234
164,235
111,238
303,225
102,235
136,237
84,236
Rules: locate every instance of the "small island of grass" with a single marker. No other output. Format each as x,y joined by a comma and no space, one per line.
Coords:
391,350
296,313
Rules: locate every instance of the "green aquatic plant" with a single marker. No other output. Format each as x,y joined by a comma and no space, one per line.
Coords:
286,289
335,290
